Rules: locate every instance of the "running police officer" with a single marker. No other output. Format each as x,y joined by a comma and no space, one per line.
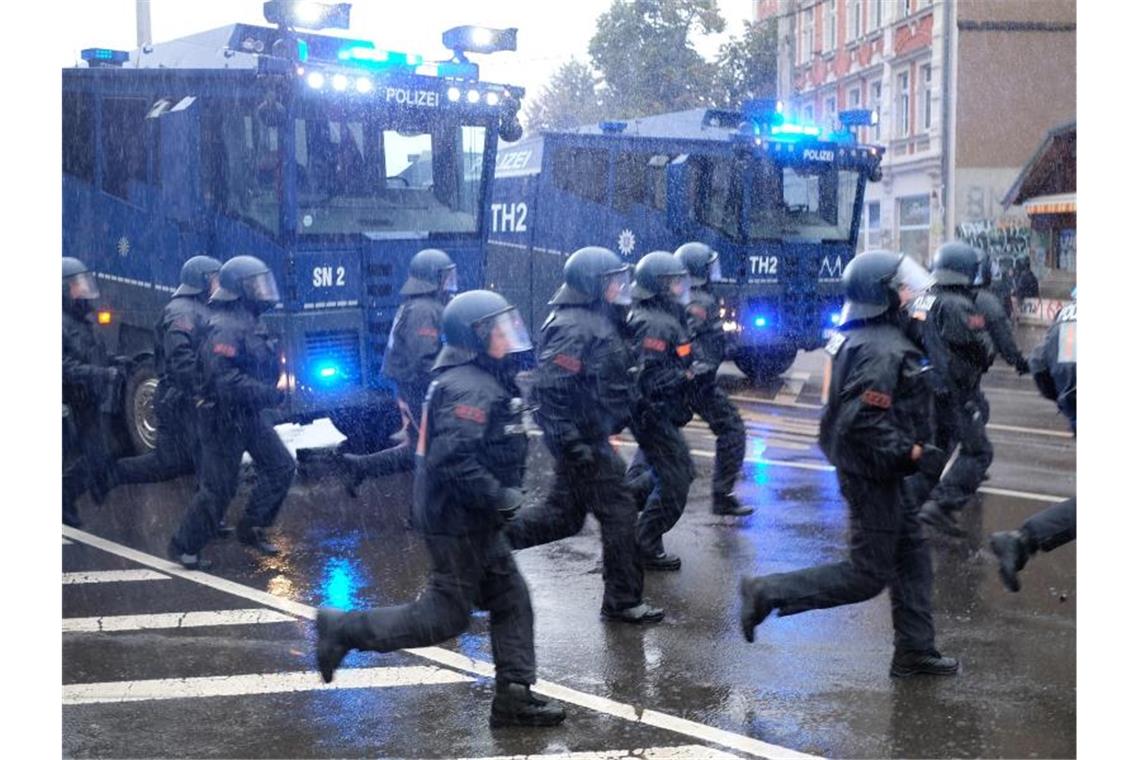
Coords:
89,390
1054,367
997,321
583,389
413,345
954,337
663,354
241,379
178,336
706,398
871,430
471,457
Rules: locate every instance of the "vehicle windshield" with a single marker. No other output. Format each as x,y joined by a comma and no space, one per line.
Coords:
387,173
815,202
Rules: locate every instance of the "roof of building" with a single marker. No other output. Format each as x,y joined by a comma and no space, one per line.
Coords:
1051,171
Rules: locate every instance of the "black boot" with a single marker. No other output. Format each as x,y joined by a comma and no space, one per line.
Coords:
755,605
255,537
1013,550
188,561
224,530
661,561
352,472
728,504
941,519
638,614
331,646
516,705
906,664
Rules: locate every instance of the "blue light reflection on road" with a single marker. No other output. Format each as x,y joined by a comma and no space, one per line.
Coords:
340,584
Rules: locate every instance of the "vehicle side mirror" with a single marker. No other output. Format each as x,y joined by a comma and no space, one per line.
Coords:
180,140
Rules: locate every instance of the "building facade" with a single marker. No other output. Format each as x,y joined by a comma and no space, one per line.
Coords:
965,90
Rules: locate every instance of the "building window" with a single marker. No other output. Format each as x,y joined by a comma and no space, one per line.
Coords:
79,135
901,11
873,229
808,114
902,105
874,14
854,97
832,27
854,19
927,97
124,149
876,104
914,227
829,112
807,34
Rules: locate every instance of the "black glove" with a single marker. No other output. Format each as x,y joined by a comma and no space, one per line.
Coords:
510,500
580,454
932,461
1022,366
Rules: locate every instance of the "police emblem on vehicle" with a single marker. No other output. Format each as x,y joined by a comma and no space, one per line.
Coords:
626,242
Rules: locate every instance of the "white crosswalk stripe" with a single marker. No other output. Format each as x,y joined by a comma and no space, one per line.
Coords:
257,683
173,620
113,576
682,752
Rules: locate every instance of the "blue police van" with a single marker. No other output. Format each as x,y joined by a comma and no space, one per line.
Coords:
332,160
780,201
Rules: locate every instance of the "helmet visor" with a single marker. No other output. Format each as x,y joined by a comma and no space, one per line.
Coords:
677,287
82,287
618,287
714,269
504,333
910,280
449,280
261,288
983,274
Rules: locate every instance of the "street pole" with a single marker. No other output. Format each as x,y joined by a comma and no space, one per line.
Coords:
142,21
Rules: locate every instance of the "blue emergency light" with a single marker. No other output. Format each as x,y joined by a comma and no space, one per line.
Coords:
307,14
760,322
858,117
98,57
479,39
833,318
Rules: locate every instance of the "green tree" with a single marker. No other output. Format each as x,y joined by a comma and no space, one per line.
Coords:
569,100
746,65
644,52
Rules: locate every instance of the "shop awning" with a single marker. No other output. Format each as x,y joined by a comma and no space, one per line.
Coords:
1051,171
1060,203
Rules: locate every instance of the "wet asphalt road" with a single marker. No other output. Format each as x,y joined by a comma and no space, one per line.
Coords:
141,684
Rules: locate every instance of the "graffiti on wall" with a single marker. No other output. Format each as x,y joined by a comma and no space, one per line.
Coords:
996,239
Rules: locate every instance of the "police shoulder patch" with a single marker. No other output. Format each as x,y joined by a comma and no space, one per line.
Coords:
835,343
428,331
470,413
654,344
698,311
569,363
976,321
225,349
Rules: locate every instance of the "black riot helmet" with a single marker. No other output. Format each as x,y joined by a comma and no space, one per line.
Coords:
594,274
660,273
481,322
247,278
985,273
702,262
430,271
874,282
196,275
78,284
955,263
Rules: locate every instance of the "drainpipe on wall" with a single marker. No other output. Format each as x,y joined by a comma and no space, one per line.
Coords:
949,110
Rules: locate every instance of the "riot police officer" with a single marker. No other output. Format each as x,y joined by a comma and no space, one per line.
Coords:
89,390
954,336
1054,367
413,344
583,389
997,321
241,369
706,398
178,336
872,430
663,354
471,457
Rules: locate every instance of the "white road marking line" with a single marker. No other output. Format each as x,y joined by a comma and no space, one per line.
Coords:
255,683
793,386
680,752
173,620
452,659
1031,431
774,402
113,576
1024,495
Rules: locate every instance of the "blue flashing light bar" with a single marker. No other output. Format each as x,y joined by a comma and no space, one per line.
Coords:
807,130
760,322
834,318
96,57
450,69
328,372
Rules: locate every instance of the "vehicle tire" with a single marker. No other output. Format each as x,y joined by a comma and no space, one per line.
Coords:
763,366
140,419
367,429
